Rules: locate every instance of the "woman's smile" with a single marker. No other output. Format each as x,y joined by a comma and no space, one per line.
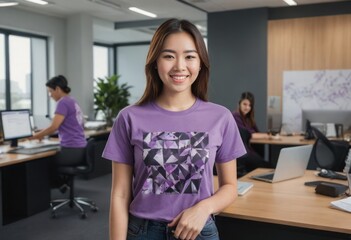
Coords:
179,78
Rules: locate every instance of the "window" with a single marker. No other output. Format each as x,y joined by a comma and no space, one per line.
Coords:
103,66
23,72
103,61
20,69
2,73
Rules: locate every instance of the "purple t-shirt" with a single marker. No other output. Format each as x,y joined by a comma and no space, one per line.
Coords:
71,131
243,124
173,154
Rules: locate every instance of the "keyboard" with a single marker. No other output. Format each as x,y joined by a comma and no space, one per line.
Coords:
268,176
36,150
36,143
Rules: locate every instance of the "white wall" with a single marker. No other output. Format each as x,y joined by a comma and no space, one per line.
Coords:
80,60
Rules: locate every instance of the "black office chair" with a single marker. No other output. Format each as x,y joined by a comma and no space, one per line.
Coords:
69,173
251,160
328,154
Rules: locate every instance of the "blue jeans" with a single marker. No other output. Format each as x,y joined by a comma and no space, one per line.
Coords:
142,229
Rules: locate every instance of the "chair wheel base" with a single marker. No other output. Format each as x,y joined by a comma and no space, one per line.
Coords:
76,202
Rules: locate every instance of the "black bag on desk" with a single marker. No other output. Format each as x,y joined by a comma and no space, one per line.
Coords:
331,189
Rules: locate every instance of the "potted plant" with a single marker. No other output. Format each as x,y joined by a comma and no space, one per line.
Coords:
110,97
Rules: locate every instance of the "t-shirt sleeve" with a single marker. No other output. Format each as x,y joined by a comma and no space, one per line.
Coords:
118,147
61,108
232,146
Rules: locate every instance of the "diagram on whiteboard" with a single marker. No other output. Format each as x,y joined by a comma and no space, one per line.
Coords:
324,89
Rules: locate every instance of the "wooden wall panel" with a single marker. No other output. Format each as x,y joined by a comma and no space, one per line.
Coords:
307,44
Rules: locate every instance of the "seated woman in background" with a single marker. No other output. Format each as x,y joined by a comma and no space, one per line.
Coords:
245,119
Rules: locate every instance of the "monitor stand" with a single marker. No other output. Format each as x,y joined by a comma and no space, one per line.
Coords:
14,144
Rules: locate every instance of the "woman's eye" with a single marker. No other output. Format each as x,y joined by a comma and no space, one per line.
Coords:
167,56
190,57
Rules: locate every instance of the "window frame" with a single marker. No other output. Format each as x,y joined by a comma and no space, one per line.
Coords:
7,33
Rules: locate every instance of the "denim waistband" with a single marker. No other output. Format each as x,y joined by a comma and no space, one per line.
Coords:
142,228
146,222
142,221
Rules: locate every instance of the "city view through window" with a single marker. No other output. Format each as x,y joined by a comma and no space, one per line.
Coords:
23,69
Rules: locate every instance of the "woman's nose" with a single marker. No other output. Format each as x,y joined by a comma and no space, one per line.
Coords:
179,64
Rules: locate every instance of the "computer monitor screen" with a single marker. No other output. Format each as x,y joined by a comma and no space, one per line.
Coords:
15,125
327,116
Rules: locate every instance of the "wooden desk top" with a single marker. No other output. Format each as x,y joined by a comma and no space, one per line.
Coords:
283,140
289,203
93,133
10,159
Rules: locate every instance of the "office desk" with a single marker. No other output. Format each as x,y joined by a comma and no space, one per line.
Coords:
11,159
275,145
97,133
283,210
24,180
283,140
25,188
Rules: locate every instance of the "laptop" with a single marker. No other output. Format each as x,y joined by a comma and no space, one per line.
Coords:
292,163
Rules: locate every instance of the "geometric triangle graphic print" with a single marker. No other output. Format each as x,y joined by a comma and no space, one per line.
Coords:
175,161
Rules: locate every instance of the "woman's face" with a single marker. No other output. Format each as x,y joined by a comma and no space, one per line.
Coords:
54,93
178,64
245,107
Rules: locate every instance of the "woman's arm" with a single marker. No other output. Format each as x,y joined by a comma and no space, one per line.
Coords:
259,135
190,222
121,195
55,124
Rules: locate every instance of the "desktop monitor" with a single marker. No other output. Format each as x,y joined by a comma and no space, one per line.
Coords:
327,116
15,125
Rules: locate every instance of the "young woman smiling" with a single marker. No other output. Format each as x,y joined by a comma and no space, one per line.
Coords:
164,147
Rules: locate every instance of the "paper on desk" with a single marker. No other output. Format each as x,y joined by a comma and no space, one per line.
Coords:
343,204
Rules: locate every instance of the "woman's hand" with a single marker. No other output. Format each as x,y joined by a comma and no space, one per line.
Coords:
35,137
189,223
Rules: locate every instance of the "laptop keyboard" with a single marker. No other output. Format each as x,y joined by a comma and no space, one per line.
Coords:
267,176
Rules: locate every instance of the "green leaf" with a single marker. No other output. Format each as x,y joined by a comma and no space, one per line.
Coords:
110,96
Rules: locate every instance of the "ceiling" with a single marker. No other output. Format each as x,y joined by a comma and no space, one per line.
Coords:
107,12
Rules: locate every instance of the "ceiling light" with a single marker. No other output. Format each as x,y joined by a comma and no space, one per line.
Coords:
107,3
8,4
143,12
290,2
41,2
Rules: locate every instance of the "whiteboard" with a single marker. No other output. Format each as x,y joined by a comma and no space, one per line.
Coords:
321,89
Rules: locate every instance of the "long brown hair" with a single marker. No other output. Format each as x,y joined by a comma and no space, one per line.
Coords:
250,117
154,84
